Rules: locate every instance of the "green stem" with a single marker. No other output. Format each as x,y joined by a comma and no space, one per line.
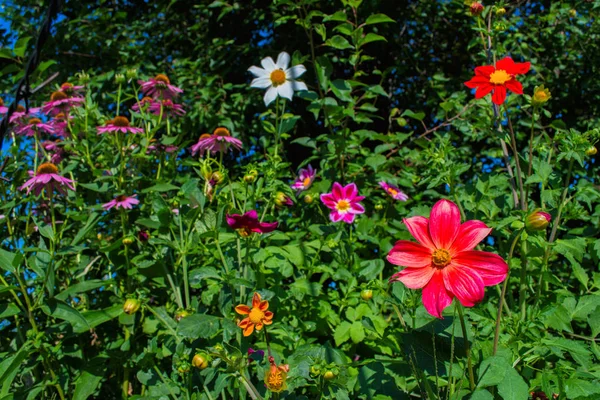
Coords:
467,345
161,319
517,161
523,281
162,378
118,99
530,166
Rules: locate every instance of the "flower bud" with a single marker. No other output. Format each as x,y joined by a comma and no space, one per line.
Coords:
315,371
127,241
206,171
251,176
378,206
500,11
540,96
402,122
131,73
366,294
591,151
119,79
281,199
500,27
131,306
330,375
216,178
82,77
181,314
476,8
572,13
183,368
537,220
308,199
143,236
200,361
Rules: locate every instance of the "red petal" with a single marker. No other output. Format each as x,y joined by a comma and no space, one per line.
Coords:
435,296
264,305
489,266
244,323
464,283
514,86
414,278
499,95
485,71
469,235
242,309
519,68
256,300
419,228
444,223
483,90
410,254
248,330
506,64
477,81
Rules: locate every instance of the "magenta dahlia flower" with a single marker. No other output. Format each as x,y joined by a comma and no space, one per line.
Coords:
219,141
305,179
33,127
118,124
443,262
393,191
122,201
60,102
168,108
343,202
47,177
159,87
248,223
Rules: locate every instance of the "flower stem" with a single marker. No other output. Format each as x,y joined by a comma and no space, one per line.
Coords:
523,281
530,166
517,161
467,346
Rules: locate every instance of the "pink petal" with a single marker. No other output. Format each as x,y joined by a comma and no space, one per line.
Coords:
350,191
489,266
348,218
328,200
419,228
414,278
251,214
337,191
409,254
356,208
444,223
469,235
335,216
435,296
464,283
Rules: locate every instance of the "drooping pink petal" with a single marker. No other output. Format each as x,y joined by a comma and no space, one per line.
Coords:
464,283
414,278
444,223
435,297
335,216
419,227
410,254
490,267
266,227
469,235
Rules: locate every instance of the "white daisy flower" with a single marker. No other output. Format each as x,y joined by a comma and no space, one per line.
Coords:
276,76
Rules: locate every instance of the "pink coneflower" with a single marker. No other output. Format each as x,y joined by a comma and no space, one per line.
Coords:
122,201
71,90
34,127
168,108
161,148
60,102
19,117
443,262
219,141
118,124
159,87
3,108
305,179
143,104
57,154
248,223
343,202
59,125
47,177
393,191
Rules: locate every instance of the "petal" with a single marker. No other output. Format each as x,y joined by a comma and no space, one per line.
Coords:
261,83
258,72
356,208
499,95
255,300
295,72
248,330
444,223
242,309
328,200
244,323
514,86
337,191
298,86
264,305
506,64
483,90
233,221
414,278
435,297
251,215
268,64
350,191
267,321
469,235
283,60
521,68
270,95
335,216
464,283
484,71
409,254
266,227
348,218
268,315
419,228
259,326
285,90
489,266
477,81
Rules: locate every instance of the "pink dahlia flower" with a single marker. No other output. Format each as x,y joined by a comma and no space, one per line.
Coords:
60,102
305,179
443,262
34,127
219,141
119,124
343,202
248,223
143,104
122,201
168,108
159,87
47,176
393,191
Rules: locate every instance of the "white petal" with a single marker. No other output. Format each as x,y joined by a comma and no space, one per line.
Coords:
270,95
298,86
258,72
268,64
286,90
295,71
261,83
283,60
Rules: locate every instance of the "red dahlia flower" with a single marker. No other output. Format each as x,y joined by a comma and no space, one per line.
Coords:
248,223
443,262
497,79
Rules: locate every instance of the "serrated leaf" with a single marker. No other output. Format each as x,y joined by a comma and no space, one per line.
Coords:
198,326
378,19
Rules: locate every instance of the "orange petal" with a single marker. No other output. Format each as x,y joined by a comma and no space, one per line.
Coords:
255,300
267,321
264,305
244,323
242,309
259,326
268,315
248,330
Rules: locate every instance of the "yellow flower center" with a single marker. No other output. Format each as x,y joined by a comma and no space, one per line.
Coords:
58,96
275,380
34,121
306,182
440,258
278,77
120,121
256,315
244,232
162,78
499,77
47,168
221,131
342,205
393,192
540,95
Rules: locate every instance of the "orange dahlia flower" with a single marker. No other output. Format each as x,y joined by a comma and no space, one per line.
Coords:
257,316
495,80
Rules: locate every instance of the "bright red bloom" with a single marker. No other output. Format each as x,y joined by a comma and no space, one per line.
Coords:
248,223
443,262
497,79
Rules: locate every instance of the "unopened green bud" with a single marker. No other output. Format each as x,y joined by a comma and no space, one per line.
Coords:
500,11
217,178
308,198
537,220
131,73
591,151
119,79
131,306
200,360
366,294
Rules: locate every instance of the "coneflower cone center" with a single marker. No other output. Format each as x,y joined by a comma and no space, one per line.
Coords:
34,121
121,198
162,78
47,168
20,108
278,77
120,121
58,96
440,258
1,102
221,132
499,77
256,315
343,205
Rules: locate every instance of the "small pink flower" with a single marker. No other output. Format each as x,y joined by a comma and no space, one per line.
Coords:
159,87
47,177
34,127
122,201
61,102
59,125
219,141
305,179
248,223
118,124
168,108
393,191
143,104
343,202
443,262
57,153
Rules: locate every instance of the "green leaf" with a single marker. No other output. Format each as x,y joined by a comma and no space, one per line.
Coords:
21,46
341,89
357,332
97,317
306,142
513,386
575,387
492,371
338,42
89,225
11,366
8,310
378,19
371,37
410,114
198,326
594,322
481,394
198,274
6,261
160,187
90,377
61,310
82,287
342,333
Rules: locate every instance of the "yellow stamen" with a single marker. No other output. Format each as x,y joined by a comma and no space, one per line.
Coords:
244,232
440,258
392,192
306,182
47,168
343,205
120,121
499,77
256,315
278,77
